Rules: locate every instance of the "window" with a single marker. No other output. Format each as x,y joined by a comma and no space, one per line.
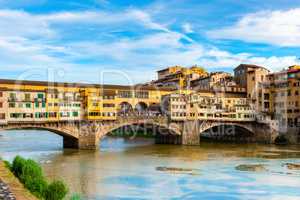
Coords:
266,96
1,105
52,114
43,104
27,97
142,94
1,94
2,115
36,104
12,96
40,95
11,105
75,114
108,105
125,94
28,105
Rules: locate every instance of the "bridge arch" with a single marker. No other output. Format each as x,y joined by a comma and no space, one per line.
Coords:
228,132
161,132
124,107
69,135
141,107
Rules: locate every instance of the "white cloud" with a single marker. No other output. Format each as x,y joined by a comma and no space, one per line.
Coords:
23,24
34,41
281,28
187,28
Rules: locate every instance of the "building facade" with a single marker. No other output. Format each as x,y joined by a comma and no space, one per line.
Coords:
279,98
35,101
178,77
209,106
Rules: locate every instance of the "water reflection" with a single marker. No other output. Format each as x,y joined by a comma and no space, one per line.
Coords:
129,168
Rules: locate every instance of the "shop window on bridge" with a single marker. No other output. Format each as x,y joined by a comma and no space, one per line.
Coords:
64,114
125,94
41,115
142,94
94,114
14,115
108,105
52,114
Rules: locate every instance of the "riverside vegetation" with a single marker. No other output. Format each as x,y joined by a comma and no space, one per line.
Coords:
31,175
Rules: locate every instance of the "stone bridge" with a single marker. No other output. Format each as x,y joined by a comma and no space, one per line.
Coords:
87,134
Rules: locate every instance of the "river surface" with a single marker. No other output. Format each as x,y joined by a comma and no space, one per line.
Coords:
139,169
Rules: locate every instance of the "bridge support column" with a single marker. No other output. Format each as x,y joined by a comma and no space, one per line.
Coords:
190,133
88,142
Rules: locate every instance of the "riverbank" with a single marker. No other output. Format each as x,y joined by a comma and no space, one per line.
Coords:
14,185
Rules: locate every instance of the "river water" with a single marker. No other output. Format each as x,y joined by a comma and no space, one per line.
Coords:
139,169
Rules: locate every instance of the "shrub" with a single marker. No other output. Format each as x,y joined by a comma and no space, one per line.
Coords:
57,190
17,165
31,170
37,186
31,175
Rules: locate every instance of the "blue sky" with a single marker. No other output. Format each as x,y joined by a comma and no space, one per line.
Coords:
124,42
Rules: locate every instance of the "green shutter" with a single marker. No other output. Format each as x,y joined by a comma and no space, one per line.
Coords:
75,114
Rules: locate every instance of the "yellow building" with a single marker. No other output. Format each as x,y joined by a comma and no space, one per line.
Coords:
214,79
43,101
